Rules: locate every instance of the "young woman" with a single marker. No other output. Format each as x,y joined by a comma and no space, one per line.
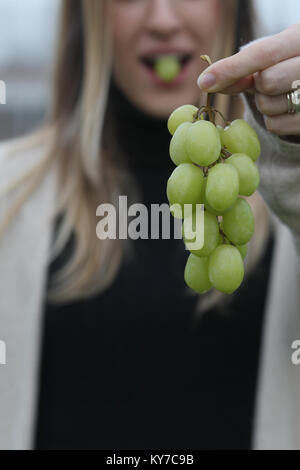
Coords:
103,350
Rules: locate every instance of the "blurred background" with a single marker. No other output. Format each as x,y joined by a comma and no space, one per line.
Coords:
27,38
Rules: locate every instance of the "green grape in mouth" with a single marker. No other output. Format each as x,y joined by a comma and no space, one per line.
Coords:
238,223
167,68
185,185
185,113
203,144
222,187
196,274
178,152
240,137
226,268
247,171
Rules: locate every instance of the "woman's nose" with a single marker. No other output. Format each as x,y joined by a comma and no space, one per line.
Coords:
162,19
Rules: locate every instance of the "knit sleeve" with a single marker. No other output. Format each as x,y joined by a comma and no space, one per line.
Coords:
279,166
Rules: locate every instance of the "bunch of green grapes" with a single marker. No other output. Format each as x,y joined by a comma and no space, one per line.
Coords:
215,166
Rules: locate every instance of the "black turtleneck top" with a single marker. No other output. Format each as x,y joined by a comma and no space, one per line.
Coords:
131,368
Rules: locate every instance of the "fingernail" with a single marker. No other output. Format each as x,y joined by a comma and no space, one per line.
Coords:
206,81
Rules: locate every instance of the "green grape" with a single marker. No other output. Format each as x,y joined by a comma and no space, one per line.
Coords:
238,223
211,233
248,173
204,201
226,268
222,187
243,249
177,146
240,137
203,144
212,211
196,274
184,186
167,67
185,113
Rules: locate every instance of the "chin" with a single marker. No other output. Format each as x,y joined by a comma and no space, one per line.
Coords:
151,107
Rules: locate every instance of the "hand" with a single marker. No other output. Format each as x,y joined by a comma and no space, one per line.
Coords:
267,68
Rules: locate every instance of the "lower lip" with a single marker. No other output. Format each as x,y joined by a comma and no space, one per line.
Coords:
172,84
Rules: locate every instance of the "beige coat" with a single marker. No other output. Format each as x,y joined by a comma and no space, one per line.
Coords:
24,255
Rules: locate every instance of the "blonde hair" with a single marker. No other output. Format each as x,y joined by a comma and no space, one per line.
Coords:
74,130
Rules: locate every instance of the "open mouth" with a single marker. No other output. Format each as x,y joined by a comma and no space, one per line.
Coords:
150,61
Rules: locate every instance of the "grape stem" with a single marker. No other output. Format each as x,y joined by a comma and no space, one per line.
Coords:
225,239
225,153
211,112
201,111
222,116
222,234
209,109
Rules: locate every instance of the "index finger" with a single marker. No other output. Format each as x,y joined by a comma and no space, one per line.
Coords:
255,57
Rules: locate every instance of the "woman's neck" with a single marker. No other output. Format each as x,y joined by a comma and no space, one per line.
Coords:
143,139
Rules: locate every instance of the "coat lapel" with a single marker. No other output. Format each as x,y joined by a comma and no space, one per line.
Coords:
24,251
277,422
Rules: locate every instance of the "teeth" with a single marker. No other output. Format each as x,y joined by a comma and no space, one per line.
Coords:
150,61
177,56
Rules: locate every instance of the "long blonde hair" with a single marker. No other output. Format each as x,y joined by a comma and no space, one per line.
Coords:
74,130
